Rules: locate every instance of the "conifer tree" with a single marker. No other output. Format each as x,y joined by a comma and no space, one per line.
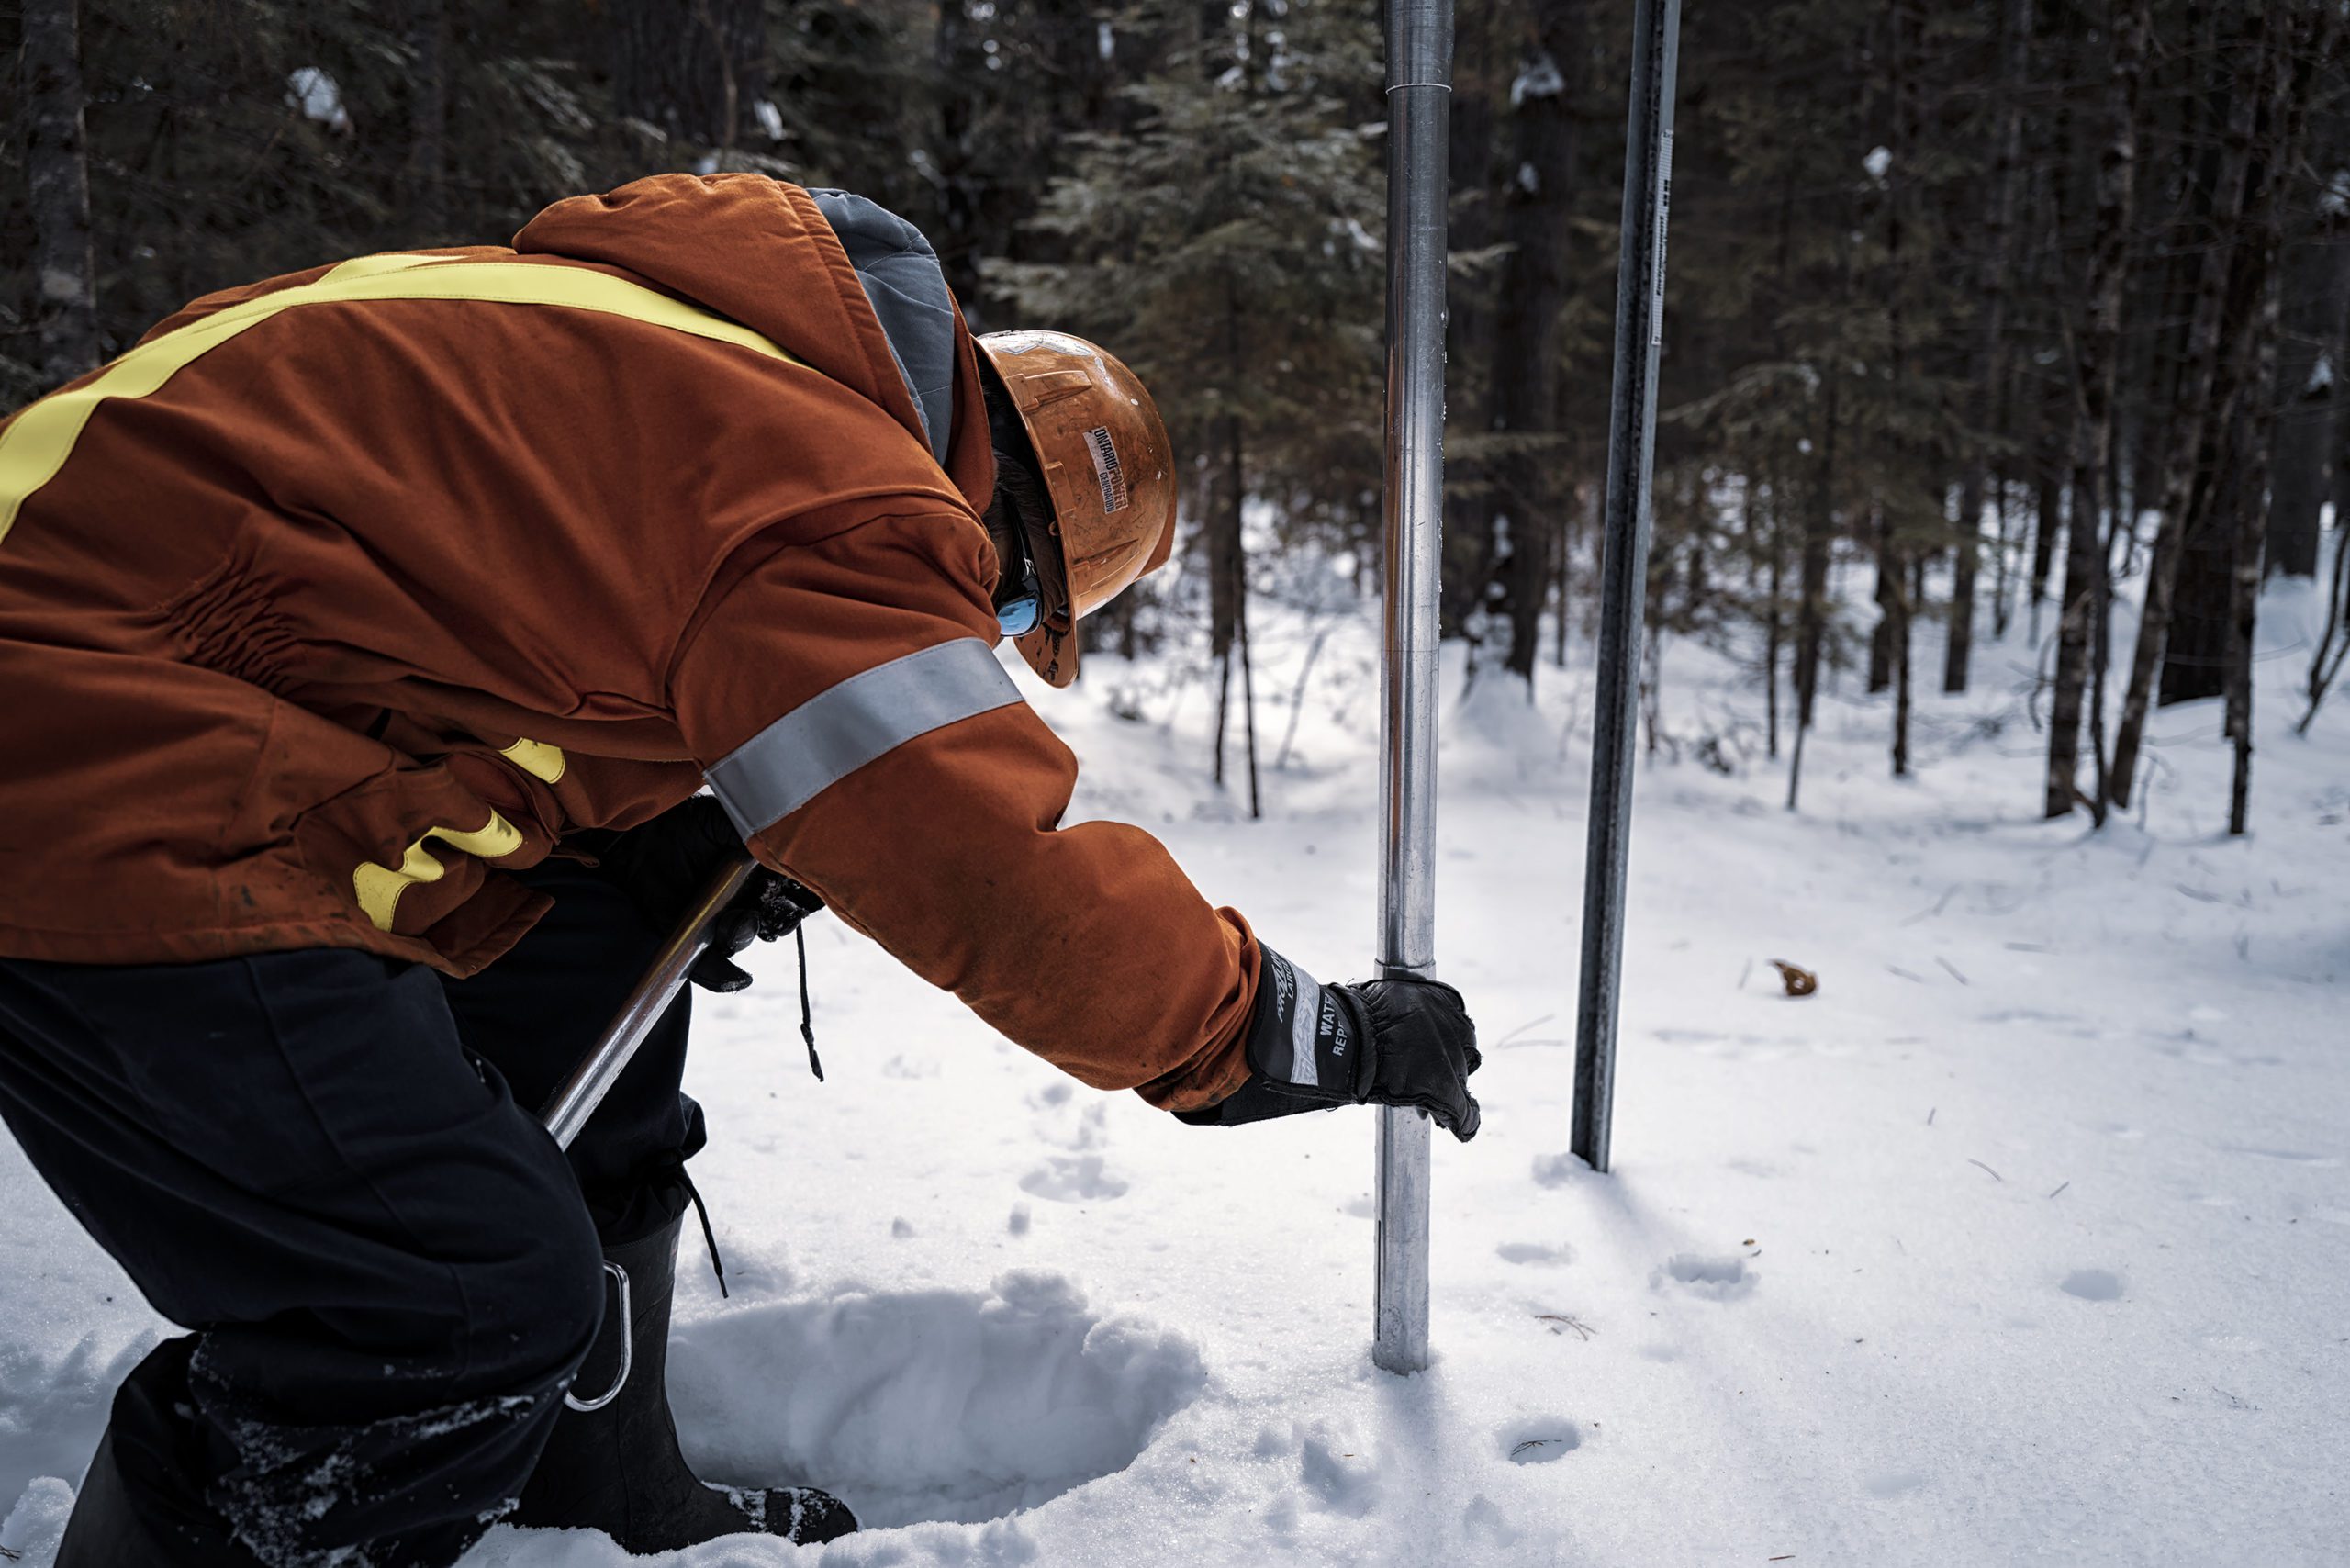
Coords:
1227,247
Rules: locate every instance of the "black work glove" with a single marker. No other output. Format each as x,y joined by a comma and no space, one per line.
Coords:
666,865
1312,1047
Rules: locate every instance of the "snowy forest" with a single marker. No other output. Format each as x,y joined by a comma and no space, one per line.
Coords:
1980,1190
2004,306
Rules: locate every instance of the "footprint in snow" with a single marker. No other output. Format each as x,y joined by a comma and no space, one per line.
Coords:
1339,1472
1483,1522
1073,1178
1090,1129
2093,1284
1556,1170
1535,1255
1716,1279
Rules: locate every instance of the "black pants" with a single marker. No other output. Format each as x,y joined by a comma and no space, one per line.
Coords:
329,1165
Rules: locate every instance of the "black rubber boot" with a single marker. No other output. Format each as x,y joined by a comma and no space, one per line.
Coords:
618,1469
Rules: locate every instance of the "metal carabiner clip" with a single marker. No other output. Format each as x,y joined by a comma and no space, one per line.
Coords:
628,1352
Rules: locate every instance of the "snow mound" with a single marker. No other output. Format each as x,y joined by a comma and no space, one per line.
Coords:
53,1407
928,1405
35,1528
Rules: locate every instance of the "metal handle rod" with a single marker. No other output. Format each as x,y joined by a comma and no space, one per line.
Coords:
1623,571
1419,104
594,1077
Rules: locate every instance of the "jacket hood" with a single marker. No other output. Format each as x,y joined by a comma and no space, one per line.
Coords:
763,253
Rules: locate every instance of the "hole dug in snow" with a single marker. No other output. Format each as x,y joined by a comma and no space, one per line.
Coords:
1541,1441
1716,1279
926,1405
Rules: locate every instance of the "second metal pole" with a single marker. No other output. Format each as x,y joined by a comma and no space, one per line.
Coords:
1419,104
1624,567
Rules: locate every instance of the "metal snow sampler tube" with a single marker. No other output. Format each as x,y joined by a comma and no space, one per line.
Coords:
1419,104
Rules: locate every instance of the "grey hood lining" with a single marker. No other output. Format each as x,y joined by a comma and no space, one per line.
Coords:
907,289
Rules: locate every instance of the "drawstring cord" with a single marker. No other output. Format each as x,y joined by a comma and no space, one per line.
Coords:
807,1006
815,1065
709,1236
782,905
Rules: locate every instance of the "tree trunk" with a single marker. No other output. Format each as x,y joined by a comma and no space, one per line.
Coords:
690,67
1249,712
1888,597
2251,534
2048,512
1990,342
2317,295
1775,633
2194,418
1536,211
1467,569
2311,35
2334,643
959,67
2003,561
2129,24
2195,647
425,179
1226,569
1811,613
1899,618
57,171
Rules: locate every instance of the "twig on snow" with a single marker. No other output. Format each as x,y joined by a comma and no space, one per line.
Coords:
1530,1023
1946,964
1994,1175
1581,1330
2060,1187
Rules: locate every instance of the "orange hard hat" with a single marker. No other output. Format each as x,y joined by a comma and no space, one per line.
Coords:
1107,466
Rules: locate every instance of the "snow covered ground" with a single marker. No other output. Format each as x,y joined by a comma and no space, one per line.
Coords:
2026,1239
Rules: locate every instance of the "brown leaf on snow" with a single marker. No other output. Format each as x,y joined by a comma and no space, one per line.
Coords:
1798,980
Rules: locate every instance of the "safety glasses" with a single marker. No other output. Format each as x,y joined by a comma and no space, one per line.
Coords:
1017,616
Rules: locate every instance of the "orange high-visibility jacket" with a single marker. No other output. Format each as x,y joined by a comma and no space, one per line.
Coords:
346,591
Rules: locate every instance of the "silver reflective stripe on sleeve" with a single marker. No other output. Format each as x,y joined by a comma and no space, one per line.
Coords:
1303,1024
840,730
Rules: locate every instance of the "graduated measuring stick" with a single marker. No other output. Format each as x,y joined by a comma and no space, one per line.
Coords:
1624,567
